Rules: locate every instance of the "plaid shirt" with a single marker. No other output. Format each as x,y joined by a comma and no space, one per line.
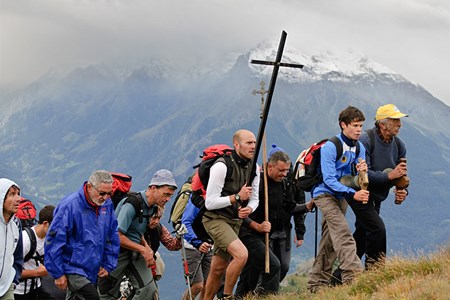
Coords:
170,242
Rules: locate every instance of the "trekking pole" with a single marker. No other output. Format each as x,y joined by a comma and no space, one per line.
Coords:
198,266
315,238
185,266
201,259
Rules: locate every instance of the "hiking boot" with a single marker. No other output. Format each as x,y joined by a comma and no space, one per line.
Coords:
336,278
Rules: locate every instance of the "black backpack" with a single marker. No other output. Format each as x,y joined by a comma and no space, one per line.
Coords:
197,225
135,199
33,244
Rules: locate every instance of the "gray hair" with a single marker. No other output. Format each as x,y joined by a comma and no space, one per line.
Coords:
382,121
100,176
279,156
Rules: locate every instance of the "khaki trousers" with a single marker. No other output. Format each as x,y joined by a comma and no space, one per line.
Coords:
336,242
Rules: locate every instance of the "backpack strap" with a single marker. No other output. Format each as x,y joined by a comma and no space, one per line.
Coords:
371,134
136,200
33,243
339,149
228,161
338,144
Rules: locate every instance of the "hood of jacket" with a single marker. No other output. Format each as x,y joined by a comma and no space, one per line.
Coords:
5,184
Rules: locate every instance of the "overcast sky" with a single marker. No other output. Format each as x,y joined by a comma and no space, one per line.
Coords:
411,37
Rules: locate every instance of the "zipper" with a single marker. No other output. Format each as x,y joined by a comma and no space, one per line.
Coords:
4,253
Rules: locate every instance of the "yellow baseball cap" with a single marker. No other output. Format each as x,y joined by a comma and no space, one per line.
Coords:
389,111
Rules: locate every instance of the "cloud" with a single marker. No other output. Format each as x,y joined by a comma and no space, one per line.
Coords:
411,37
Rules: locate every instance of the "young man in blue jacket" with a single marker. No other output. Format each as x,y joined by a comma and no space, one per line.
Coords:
82,243
330,197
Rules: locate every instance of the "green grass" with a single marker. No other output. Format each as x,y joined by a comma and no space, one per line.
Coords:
419,277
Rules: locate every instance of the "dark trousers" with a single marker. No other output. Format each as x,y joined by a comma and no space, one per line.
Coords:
370,232
281,247
80,288
36,294
255,266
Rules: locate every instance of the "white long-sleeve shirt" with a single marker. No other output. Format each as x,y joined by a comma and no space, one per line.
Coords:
217,175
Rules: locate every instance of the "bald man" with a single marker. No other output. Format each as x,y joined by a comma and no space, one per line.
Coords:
228,201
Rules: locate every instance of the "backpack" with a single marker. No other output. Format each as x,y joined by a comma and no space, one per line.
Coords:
180,202
197,225
33,244
26,213
120,187
200,181
307,166
135,199
209,157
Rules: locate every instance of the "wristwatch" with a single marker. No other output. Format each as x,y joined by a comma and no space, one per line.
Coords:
237,197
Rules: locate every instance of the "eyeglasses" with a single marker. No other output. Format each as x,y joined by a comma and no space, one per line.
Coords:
101,193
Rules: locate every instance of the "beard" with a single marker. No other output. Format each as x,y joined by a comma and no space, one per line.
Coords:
99,202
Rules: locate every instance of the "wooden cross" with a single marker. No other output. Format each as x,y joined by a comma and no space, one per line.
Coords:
261,133
277,64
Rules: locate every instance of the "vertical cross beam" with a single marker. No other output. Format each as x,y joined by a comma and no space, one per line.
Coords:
277,64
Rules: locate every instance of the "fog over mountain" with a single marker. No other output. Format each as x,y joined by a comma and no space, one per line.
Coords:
63,126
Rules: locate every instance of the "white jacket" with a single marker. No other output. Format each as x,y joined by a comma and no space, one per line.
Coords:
11,254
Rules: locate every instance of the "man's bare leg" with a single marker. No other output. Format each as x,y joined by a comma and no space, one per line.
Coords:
218,266
239,253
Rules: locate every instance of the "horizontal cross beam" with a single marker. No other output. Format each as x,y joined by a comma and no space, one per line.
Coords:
274,63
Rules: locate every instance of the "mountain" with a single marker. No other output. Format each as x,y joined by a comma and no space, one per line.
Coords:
60,128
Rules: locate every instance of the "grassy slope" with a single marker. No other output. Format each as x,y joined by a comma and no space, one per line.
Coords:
424,277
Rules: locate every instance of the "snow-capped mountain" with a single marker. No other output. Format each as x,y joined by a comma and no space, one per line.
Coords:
61,127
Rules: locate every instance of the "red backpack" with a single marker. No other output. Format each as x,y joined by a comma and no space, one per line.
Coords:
120,187
209,157
26,213
307,169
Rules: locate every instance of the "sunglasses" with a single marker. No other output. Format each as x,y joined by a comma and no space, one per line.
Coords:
102,193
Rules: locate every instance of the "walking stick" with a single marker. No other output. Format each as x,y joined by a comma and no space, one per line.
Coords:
198,266
266,204
266,189
315,238
185,266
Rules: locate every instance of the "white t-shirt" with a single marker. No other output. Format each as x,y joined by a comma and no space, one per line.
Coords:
31,264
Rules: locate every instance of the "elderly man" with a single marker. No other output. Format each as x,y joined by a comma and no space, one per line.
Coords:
384,150
82,243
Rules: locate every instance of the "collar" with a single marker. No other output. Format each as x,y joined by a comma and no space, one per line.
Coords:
241,161
88,198
348,141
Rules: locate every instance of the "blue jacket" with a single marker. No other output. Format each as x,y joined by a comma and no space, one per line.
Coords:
334,168
82,238
189,215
